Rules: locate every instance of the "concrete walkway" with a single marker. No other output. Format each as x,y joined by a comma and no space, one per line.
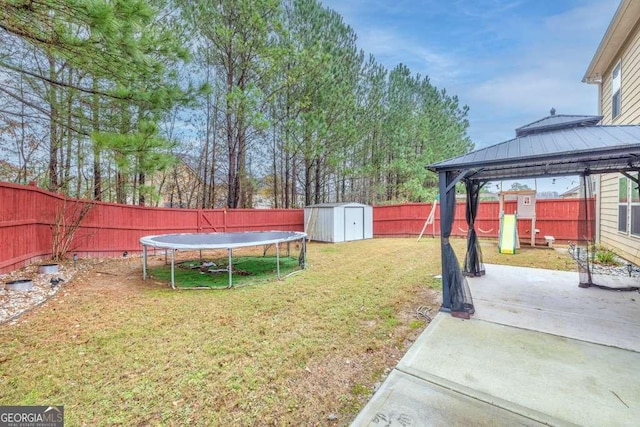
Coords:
539,350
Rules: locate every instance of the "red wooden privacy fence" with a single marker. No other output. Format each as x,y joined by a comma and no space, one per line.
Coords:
554,217
28,216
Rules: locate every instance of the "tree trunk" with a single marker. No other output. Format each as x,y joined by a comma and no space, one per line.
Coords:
294,180
244,199
53,129
308,165
141,182
275,163
287,179
121,196
211,190
318,182
209,154
97,172
205,161
232,148
66,158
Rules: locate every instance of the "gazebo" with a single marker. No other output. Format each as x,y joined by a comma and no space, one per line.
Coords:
557,145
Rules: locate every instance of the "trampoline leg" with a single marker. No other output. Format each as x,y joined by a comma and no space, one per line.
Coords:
230,267
173,278
144,262
304,253
278,259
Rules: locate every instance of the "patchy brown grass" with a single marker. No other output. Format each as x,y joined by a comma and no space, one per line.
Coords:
118,350
539,257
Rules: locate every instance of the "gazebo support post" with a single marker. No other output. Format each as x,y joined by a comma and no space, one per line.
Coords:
456,297
473,265
585,272
445,218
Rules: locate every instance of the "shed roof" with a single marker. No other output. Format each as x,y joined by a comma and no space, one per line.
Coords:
568,151
335,205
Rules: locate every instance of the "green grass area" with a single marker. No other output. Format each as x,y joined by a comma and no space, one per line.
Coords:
117,350
246,270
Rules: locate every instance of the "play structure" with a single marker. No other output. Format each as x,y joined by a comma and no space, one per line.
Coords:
508,238
430,220
228,241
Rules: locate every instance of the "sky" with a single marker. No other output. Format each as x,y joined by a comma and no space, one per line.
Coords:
510,61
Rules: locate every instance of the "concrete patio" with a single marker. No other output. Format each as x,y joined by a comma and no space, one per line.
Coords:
538,351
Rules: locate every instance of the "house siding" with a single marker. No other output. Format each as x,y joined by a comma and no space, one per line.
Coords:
630,105
623,244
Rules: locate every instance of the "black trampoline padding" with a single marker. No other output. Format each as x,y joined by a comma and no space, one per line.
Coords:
220,240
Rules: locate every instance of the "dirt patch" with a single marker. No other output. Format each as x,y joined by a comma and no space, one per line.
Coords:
113,275
83,279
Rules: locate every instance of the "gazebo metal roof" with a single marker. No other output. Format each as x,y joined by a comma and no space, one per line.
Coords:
557,121
566,151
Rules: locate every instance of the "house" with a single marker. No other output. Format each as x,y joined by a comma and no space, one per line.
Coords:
182,185
615,68
572,193
8,171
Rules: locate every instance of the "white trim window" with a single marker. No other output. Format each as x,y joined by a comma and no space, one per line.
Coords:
623,204
616,85
635,208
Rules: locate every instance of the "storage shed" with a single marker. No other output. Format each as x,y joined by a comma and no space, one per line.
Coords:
338,222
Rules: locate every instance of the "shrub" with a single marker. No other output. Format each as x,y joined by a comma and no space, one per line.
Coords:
606,256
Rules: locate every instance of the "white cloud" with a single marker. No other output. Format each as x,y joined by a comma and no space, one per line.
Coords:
535,92
503,58
392,48
545,73
485,10
382,28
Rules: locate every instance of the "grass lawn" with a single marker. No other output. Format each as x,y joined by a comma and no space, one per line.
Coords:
114,349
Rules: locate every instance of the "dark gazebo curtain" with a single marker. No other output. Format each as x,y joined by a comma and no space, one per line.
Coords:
473,265
584,238
456,294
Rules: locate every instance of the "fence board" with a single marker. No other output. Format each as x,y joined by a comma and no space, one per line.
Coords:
27,215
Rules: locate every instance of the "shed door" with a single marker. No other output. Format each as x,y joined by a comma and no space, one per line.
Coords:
353,224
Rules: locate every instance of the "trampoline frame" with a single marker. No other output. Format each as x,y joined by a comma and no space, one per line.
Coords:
286,236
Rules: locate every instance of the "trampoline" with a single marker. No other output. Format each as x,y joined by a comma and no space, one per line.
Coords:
228,241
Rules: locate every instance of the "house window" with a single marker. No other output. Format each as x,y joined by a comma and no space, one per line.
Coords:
616,80
635,208
623,205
